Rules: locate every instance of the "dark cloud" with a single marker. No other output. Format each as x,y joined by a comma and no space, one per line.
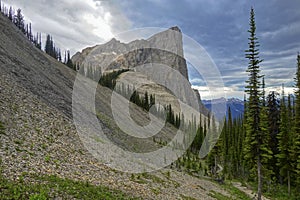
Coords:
219,26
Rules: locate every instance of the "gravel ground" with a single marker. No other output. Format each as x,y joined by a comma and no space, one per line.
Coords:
40,138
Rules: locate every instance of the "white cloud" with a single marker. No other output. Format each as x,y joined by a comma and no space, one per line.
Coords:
287,90
208,93
74,24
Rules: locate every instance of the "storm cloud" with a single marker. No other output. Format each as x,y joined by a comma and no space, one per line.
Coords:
220,26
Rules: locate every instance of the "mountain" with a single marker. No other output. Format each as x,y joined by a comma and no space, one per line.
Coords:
236,106
146,61
40,137
165,47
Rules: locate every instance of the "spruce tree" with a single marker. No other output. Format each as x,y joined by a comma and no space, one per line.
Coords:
19,20
48,47
273,123
69,61
256,151
296,127
284,143
10,14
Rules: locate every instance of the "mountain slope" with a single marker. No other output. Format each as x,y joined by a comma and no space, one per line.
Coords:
236,106
40,137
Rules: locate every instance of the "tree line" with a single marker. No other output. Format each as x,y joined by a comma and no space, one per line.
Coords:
145,101
263,146
18,19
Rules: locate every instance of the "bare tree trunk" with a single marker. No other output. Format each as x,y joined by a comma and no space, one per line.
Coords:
259,176
289,183
215,165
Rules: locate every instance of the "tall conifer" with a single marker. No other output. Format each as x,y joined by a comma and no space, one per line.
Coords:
256,151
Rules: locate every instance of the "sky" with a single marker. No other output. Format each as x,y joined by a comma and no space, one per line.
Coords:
220,26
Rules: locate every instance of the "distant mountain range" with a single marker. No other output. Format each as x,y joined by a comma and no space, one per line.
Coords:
236,106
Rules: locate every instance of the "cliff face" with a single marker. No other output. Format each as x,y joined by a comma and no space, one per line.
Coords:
165,47
160,57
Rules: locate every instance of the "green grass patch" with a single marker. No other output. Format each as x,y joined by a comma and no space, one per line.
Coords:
280,192
2,129
186,197
235,192
152,177
218,196
51,187
277,192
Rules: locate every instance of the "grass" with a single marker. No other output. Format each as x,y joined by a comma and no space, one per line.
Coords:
218,196
51,187
186,197
277,191
152,177
280,192
144,178
235,192
2,129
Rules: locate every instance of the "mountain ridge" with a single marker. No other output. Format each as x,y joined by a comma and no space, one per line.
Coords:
169,40
236,106
163,49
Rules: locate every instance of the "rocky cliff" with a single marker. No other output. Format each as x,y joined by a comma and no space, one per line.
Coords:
155,62
165,47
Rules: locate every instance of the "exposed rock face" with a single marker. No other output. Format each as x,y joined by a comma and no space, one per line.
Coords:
165,48
164,51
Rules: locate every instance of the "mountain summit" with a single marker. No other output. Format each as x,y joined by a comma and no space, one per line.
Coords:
165,47
160,56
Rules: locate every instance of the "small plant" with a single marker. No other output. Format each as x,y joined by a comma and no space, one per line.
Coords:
2,129
156,191
18,142
44,146
168,174
41,196
186,197
218,196
132,177
47,158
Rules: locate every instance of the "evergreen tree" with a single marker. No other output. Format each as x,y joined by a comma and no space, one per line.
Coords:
284,143
255,149
146,102
265,149
48,47
273,123
10,14
69,61
19,20
40,41
296,127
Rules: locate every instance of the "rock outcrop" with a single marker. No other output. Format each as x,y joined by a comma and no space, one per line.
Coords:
153,63
165,47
